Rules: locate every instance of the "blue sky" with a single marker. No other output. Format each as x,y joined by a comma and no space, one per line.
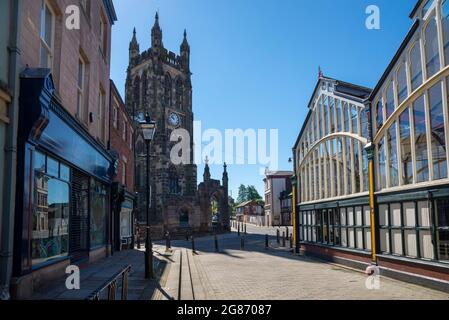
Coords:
255,63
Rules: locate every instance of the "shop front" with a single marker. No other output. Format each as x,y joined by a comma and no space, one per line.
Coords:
63,204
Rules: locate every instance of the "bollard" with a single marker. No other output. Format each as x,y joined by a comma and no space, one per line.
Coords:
245,228
266,241
167,241
216,243
242,243
238,229
283,239
139,246
286,232
291,241
193,244
277,236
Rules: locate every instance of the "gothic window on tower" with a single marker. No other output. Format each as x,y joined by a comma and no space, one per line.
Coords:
167,90
173,182
179,94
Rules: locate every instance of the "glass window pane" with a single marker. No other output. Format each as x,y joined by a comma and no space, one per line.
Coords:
52,167
326,116
406,147
64,173
438,135
431,48
422,161
356,165
332,114
379,114
393,156
381,163
338,115
389,103
445,24
355,119
402,84
426,7
415,66
38,161
349,165
50,219
48,27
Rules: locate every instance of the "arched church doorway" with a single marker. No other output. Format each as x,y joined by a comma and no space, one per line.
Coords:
184,218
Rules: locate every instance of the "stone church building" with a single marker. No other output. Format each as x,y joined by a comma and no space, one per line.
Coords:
159,82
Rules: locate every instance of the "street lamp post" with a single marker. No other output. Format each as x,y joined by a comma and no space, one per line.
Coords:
148,128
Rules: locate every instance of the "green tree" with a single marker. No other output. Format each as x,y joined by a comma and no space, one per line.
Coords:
243,194
252,193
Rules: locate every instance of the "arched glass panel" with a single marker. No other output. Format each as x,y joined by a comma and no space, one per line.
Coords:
356,165
422,161
389,103
393,156
381,162
379,114
355,119
431,48
406,147
415,66
338,110
347,117
438,136
402,84
326,115
349,166
445,24
332,114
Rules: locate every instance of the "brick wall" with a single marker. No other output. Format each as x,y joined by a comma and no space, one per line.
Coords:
68,46
124,147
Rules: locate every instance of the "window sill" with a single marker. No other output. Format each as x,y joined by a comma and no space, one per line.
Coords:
49,263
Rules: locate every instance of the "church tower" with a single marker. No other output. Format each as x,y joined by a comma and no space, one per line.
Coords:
159,82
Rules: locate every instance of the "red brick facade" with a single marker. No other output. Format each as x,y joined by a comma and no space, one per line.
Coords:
121,139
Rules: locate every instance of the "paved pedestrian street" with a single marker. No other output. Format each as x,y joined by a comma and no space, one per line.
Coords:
273,274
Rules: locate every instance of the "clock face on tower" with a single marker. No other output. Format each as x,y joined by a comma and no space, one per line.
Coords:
173,119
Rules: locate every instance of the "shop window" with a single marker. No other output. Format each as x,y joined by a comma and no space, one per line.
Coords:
431,48
439,158
401,84
445,25
422,161
393,156
126,220
351,229
415,66
98,213
51,211
406,148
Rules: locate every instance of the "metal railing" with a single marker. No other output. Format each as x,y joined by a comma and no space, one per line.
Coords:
111,286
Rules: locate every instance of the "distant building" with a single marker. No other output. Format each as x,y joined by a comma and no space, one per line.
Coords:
250,212
286,207
275,183
121,145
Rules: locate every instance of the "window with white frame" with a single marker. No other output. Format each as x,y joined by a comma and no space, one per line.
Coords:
431,48
103,36
80,110
47,31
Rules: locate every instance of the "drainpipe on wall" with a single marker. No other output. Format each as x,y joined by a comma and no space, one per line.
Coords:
7,232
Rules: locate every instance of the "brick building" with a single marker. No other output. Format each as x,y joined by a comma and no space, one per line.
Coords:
121,145
64,171
275,183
